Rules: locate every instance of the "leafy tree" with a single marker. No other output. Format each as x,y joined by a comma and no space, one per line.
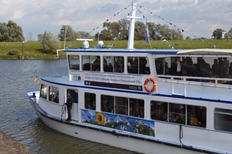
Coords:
11,32
82,34
103,35
114,30
228,35
49,42
68,32
166,32
110,31
124,24
30,36
159,31
176,35
162,32
217,34
151,26
140,30
40,37
4,32
119,30
188,38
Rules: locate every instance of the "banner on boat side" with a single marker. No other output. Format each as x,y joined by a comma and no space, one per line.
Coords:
131,82
119,122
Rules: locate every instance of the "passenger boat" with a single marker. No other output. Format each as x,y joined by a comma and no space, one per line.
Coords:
143,100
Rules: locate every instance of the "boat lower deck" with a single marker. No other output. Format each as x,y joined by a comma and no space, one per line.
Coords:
183,134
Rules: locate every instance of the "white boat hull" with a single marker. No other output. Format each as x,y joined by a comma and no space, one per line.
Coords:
111,139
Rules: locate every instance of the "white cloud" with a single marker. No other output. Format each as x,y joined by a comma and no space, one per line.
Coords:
187,2
200,18
17,15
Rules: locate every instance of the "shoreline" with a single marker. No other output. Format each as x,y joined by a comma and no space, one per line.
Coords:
9,145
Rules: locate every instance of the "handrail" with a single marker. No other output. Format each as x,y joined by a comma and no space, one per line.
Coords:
181,134
187,80
63,110
57,52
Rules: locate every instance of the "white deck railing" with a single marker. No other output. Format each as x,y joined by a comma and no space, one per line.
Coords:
206,81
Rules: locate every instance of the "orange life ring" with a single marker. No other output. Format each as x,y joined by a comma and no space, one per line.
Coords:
154,84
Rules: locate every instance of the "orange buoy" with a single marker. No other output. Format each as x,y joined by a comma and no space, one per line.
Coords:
146,86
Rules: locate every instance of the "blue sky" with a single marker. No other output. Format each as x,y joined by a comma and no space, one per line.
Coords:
197,17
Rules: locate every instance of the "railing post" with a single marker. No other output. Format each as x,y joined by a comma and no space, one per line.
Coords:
181,135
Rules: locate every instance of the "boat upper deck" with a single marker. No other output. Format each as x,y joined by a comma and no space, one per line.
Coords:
193,73
202,73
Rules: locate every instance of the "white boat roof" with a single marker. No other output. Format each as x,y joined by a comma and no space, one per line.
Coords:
158,51
205,52
129,51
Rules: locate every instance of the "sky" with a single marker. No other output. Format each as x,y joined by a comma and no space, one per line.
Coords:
198,18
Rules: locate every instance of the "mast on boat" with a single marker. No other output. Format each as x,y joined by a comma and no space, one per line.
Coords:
132,26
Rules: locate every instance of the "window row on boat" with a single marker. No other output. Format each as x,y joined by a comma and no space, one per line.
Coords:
135,65
193,115
163,111
195,66
206,66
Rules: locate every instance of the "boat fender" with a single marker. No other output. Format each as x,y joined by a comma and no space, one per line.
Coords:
146,84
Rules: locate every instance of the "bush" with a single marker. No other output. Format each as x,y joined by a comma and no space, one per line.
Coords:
50,43
13,52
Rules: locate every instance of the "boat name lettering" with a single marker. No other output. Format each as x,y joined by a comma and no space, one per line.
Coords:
111,78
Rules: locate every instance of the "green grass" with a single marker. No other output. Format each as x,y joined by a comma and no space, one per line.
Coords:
177,44
34,50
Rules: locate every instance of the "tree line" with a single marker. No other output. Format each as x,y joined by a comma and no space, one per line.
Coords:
11,32
119,30
217,34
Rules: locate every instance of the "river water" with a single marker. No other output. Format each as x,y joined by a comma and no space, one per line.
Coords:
18,119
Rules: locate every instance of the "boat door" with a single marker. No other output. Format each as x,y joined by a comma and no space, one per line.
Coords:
74,109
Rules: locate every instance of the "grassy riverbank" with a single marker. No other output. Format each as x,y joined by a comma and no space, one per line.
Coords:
34,50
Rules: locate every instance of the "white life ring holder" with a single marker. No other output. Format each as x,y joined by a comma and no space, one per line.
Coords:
154,84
